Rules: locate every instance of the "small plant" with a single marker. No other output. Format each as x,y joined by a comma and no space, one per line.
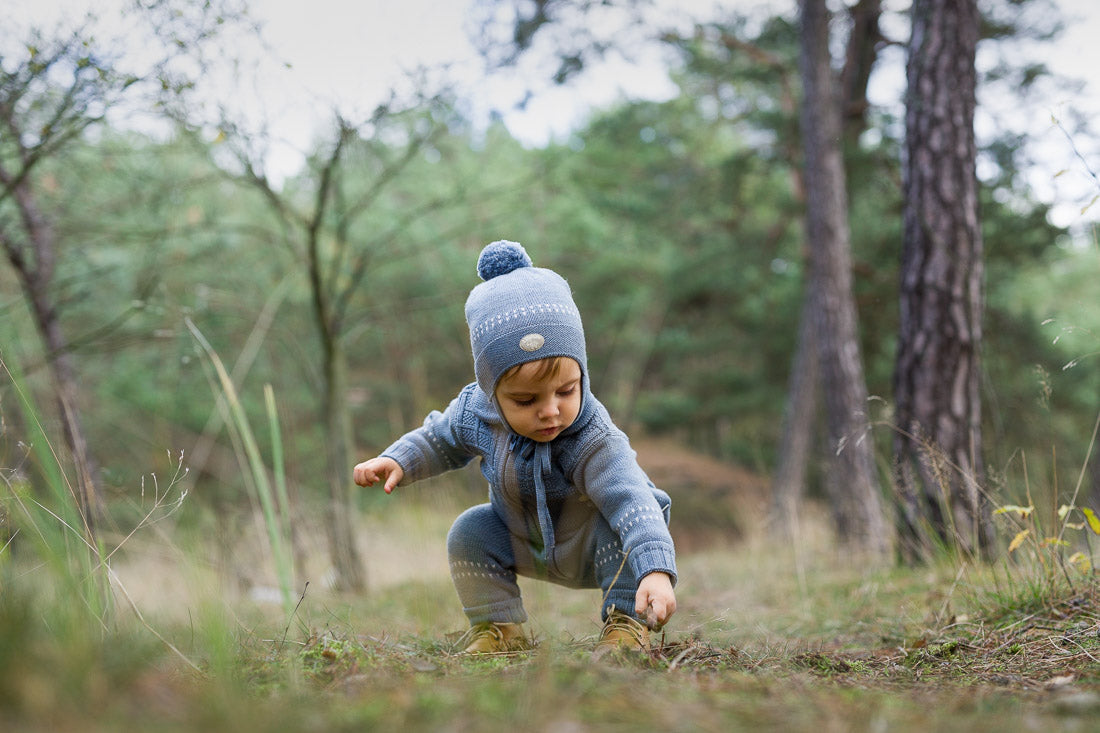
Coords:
50,521
269,487
1048,549
46,521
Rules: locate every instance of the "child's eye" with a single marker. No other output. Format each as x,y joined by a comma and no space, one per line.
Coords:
567,392
526,402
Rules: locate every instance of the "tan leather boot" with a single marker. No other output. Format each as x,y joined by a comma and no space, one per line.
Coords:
621,631
492,638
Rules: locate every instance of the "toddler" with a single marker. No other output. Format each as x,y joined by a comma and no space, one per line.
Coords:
568,502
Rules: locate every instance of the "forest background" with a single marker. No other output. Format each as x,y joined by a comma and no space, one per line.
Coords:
198,300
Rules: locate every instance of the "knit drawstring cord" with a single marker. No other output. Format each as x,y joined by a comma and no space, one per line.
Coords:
540,453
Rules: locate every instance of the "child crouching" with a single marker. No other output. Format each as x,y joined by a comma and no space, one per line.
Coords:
568,502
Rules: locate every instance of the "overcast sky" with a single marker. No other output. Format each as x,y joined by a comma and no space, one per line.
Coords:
349,53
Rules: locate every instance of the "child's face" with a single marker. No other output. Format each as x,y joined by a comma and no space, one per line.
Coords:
540,409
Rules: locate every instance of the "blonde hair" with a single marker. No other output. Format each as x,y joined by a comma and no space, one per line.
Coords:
548,368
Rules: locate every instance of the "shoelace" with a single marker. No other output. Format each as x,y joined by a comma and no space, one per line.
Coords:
620,622
481,631
491,631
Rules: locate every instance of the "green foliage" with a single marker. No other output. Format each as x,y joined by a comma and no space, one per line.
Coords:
678,226
677,223
59,595
56,534
685,291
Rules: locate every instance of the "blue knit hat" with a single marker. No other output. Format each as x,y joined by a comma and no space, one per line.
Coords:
519,314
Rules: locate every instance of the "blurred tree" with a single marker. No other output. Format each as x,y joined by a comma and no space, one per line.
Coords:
696,190
861,52
326,227
40,114
573,35
56,86
851,481
794,448
739,71
678,233
938,445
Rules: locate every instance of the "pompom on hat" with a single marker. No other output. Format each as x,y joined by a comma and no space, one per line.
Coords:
520,313
500,258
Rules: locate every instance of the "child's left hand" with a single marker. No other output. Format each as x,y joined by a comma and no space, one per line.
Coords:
655,601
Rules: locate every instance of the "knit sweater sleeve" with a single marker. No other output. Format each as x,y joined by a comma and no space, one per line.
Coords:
436,446
612,479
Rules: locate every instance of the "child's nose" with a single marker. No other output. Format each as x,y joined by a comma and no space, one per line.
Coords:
550,409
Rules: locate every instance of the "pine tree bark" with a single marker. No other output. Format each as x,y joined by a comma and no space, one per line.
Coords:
796,443
938,465
860,56
851,481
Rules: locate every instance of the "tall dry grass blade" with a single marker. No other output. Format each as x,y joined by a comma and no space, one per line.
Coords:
278,465
278,537
247,356
1084,469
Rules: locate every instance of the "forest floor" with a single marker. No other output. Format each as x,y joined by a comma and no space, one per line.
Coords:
771,634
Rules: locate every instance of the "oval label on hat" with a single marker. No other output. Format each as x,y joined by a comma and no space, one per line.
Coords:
532,342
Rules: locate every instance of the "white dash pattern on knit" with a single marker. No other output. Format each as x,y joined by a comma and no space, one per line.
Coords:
500,319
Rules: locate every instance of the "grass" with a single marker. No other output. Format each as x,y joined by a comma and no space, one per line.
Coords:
762,640
770,635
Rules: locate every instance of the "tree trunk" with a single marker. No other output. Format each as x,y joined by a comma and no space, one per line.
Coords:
68,405
851,482
799,417
796,440
35,273
938,448
343,547
862,52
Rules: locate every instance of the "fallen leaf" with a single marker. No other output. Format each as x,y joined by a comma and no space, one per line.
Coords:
1093,520
1060,681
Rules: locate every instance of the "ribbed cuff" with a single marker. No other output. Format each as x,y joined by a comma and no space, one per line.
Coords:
406,456
501,612
653,557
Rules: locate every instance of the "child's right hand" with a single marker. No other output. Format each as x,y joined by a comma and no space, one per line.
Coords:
382,468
